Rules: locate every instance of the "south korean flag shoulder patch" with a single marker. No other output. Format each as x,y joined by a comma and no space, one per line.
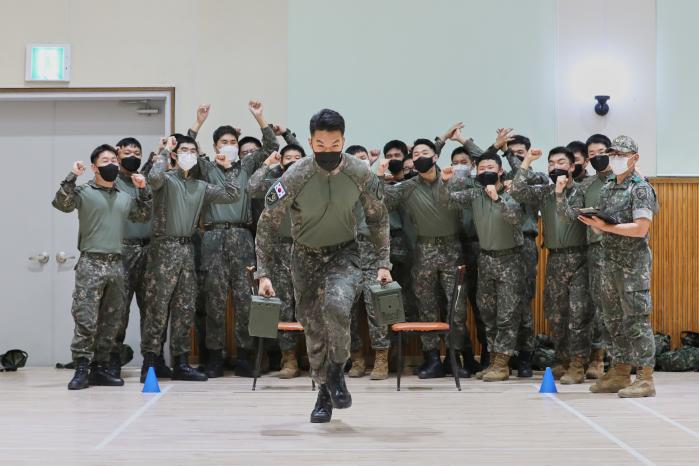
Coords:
276,193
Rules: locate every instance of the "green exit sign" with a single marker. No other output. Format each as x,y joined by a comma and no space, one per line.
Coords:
48,63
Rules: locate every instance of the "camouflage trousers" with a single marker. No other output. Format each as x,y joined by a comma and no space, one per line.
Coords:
566,304
402,263
377,333
472,251
326,282
434,276
225,255
530,261
500,292
98,305
200,301
134,258
171,289
595,263
284,288
626,307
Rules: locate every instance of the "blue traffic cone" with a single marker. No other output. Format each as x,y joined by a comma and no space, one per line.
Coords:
548,384
151,385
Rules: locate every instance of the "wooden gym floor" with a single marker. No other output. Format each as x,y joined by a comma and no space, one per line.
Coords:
428,423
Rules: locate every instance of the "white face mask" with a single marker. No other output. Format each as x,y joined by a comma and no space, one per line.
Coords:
186,160
619,165
474,172
231,152
366,162
461,168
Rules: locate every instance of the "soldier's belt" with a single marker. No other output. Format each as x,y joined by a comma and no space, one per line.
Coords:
136,241
324,249
101,256
437,239
225,226
175,239
502,252
570,250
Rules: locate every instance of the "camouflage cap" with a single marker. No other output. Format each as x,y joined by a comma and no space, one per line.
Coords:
624,144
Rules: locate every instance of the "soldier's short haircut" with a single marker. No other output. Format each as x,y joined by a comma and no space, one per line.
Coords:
248,140
223,130
396,144
289,147
99,149
562,150
490,156
578,146
186,140
355,149
598,139
129,142
460,150
423,142
519,139
327,120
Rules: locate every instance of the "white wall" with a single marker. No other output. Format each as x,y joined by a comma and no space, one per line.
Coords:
213,51
607,47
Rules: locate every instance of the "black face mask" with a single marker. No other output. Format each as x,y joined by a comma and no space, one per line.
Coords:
109,172
555,173
423,164
288,165
410,174
487,178
578,170
395,166
600,162
131,163
328,161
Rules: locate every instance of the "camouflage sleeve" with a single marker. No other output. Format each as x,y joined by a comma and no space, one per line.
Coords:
277,201
226,194
156,177
472,148
395,195
269,144
142,206
439,145
67,197
192,134
148,166
458,194
515,164
290,138
204,167
643,201
512,211
376,216
260,182
568,201
524,192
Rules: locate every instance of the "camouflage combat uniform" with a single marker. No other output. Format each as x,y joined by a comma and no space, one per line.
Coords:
171,285
325,261
98,299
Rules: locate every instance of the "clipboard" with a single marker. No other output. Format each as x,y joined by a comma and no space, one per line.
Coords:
590,212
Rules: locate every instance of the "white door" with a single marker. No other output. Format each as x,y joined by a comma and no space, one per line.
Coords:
45,138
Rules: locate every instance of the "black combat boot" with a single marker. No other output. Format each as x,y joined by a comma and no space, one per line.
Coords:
101,375
80,379
433,369
115,365
183,371
340,396
323,410
149,360
214,365
470,362
161,368
524,364
464,373
422,366
485,356
243,365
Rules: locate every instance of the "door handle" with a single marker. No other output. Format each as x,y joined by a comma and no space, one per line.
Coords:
62,257
41,258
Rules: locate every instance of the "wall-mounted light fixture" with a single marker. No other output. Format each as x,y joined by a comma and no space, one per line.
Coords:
601,108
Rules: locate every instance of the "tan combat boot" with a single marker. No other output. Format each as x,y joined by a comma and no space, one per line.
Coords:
575,373
480,374
596,368
290,366
380,371
358,364
559,369
618,377
643,386
500,369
